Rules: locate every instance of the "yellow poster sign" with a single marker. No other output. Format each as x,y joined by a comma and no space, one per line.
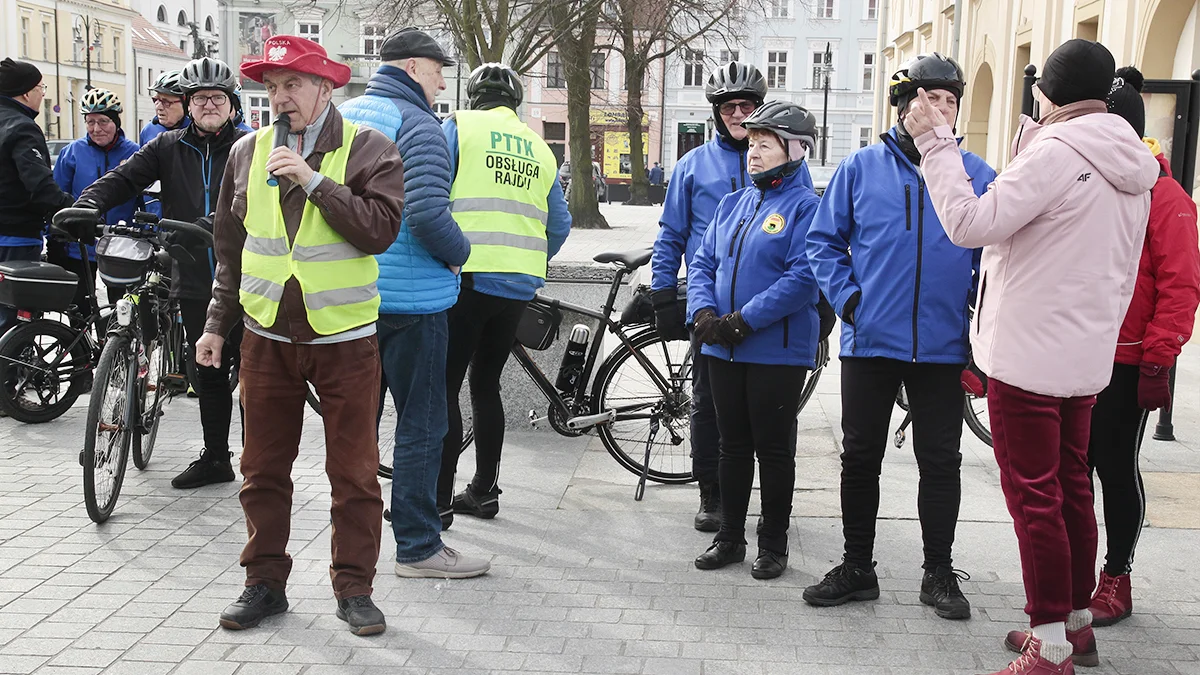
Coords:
612,116
616,153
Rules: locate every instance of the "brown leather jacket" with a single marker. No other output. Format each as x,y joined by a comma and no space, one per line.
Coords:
366,211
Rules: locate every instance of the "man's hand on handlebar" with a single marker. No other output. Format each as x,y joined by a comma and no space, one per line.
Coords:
79,222
208,350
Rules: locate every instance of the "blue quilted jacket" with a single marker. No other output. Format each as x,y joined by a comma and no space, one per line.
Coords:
414,273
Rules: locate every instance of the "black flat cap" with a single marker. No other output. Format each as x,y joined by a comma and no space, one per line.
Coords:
408,43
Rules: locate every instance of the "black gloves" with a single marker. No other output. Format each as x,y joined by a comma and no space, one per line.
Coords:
733,329
827,315
851,305
705,324
669,314
80,222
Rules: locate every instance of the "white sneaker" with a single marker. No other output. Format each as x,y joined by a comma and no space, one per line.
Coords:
445,564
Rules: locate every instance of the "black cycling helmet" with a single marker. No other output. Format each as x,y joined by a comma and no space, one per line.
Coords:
168,83
930,71
207,73
494,84
786,120
735,80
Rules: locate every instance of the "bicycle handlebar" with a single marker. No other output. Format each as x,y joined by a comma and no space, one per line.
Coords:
144,219
144,224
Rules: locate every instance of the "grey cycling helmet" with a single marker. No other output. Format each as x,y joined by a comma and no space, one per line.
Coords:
786,120
493,84
928,71
168,83
207,73
735,80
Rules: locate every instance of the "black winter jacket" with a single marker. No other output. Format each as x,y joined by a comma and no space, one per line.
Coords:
28,193
190,166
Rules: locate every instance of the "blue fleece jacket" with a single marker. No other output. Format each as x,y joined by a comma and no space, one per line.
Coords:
700,179
414,273
510,284
752,259
82,163
876,233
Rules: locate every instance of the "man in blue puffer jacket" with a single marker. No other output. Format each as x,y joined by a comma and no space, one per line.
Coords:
902,290
418,282
699,181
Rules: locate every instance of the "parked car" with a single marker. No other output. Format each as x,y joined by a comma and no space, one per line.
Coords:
564,177
821,175
56,146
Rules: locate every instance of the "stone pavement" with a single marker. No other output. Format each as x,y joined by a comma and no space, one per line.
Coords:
584,578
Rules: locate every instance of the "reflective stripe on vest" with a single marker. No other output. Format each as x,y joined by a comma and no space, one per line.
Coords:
505,172
338,281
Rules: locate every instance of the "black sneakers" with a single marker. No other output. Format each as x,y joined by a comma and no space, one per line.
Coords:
720,554
939,590
361,613
842,584
485,505
256,603
708,518
211,468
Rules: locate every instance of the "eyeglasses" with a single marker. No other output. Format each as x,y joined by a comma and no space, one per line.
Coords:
216,99
166,103
746,107
98,123
43,86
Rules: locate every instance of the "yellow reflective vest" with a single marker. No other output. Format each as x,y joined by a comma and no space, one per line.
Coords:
337,279
504,175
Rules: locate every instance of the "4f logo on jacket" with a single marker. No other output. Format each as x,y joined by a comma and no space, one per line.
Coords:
1083,177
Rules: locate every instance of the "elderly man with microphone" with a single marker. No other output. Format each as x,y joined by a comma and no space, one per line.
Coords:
295,243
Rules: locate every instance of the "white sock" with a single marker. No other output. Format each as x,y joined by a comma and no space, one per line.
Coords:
1055,647
1079,619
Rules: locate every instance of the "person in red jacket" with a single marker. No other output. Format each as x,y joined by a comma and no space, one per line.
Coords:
1157,325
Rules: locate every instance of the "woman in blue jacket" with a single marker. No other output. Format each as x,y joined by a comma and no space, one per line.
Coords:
754,302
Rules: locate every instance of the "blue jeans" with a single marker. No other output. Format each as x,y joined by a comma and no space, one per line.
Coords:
412,348
8,315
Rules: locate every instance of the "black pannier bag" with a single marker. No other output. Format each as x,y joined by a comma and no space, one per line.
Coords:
124,262
538,327
36,286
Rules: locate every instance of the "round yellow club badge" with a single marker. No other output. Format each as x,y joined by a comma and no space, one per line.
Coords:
773,224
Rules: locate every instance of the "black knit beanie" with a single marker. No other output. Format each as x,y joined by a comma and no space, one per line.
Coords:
1125,99
18,78
114,116
1079,70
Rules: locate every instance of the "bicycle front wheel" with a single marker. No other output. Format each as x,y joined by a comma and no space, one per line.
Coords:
109,427
625,386
975,412
810,385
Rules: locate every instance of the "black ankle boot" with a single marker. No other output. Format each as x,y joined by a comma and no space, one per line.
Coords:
939,590
708,518
769,564
211,468
842,584
256,603
720,554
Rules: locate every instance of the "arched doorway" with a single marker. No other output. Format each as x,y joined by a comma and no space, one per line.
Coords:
1168,49
975,126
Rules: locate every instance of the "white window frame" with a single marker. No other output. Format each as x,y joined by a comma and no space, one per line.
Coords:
46,24
315,37
779,9
864,134
26,27
871,10
373,35
816,60
863,67
825,9
262,105
778,71
442,108
727,55
693,68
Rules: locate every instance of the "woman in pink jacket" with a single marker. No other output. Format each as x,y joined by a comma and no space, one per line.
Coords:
1062,230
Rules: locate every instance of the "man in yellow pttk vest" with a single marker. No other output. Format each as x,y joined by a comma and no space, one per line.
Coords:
507,200
295,244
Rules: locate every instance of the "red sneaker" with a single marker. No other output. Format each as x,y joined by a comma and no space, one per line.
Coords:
1083,645
1113,600
1032,663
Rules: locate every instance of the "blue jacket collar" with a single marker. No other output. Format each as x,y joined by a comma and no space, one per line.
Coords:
391,82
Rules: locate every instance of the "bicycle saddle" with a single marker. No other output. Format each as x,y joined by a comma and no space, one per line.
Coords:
630,260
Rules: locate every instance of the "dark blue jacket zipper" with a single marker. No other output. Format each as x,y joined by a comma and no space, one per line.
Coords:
743,229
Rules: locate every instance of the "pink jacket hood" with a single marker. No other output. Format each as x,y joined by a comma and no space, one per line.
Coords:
1062,231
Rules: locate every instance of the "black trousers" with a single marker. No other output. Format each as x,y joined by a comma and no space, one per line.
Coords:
869,388
482,330
705,436
756,413
212,383
1118,425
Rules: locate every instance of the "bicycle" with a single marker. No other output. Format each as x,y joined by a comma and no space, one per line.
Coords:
46,363
639,401
142,364
975,414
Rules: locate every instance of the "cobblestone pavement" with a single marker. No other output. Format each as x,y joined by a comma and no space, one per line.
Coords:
584,578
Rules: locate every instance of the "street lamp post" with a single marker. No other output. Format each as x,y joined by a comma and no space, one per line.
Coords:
826,69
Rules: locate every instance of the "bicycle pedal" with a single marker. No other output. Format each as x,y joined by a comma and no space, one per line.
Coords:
174,383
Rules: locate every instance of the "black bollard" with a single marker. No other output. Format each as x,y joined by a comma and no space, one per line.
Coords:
1165,430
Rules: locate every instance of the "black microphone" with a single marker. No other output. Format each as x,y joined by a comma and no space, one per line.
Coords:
283,127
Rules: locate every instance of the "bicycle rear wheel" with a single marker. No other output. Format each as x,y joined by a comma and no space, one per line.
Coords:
30,390
810,385
386,435
623,384
109,427
975,412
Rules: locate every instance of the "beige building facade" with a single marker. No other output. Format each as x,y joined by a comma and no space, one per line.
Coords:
997,39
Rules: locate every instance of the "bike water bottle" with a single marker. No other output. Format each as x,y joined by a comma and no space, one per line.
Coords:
573,358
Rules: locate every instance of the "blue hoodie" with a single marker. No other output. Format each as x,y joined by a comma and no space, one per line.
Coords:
700,179
512,285
753,260
153,128
82,163
414,273
876,233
